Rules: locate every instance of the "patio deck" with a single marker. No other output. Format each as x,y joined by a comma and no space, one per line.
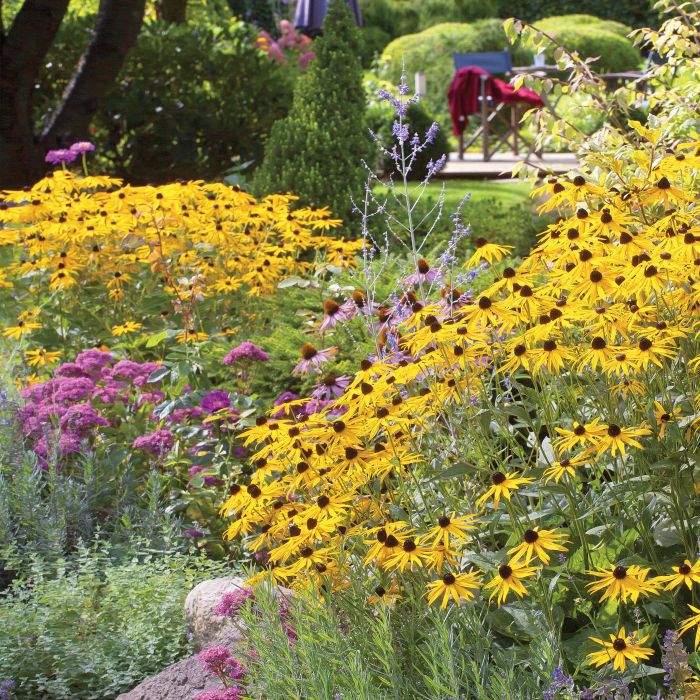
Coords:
500,166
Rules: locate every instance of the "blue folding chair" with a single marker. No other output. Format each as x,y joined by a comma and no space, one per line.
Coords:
495,63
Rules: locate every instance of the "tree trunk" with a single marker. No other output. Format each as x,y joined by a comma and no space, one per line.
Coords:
172,11
116,31
22,53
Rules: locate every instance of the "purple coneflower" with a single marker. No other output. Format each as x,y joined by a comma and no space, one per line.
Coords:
312,358
358,305
330,387
333,313
423,273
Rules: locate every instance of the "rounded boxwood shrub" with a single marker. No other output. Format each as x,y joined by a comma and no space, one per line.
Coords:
607,40
638,13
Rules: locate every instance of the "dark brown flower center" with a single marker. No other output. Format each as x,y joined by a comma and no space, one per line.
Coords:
530,536
505,571
308,351
684,569
614,430
409,546
331,307
443,521
620,572
619,644
423,266
498,478
598,343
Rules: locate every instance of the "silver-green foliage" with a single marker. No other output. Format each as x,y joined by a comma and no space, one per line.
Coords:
92,628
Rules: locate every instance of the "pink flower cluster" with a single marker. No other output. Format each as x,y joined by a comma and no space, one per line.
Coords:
230,693
290,40
58,415
231,603
246,351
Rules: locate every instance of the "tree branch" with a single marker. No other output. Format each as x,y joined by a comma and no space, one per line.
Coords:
116,30
29,39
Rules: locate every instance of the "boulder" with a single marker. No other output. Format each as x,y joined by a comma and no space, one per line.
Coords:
183,680
207,629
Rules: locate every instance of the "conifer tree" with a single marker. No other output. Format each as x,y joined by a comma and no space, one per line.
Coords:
316,151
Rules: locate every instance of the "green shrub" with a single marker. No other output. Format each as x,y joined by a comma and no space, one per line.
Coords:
316,150
607,40
637,13
191,101
93,628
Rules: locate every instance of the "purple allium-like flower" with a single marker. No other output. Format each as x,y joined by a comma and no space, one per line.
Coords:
193,533
246,351
158,443
81,419
82,147
423,273
60,155
333,313
231,603
214,401
330,387
312,358
220,662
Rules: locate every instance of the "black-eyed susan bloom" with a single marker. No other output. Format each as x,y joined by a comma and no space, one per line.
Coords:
449,526
564,467
501,487
487,252
616,439
664,417
619,650
623,582
457,587
686,574
690,622
536,543
509,578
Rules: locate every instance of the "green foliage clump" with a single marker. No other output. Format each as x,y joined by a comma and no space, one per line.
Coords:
367,651
191,102
316,151
638,13
385,20
92,628
608,41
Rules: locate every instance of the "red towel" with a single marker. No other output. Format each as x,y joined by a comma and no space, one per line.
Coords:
465,90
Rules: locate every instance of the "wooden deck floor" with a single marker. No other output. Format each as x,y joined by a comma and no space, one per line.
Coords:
500,166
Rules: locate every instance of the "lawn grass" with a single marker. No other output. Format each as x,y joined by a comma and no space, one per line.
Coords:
508,193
